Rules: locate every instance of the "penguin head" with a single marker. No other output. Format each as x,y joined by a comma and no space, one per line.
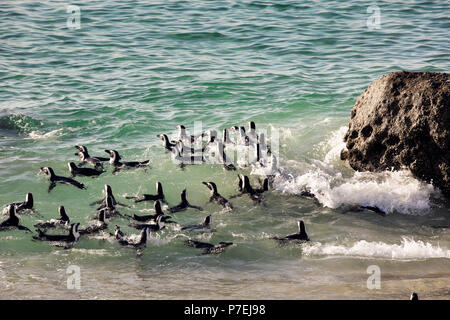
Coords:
113,155
108,190
414,296
159,188
81,148
48,171
62,214
184,195
211,186
251,126
29,199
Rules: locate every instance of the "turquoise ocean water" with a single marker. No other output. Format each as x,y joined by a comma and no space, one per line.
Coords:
135,69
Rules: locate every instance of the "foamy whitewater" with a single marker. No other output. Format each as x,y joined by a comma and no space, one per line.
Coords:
137,69
389,191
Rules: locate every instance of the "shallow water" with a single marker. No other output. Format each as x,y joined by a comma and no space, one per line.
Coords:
137,69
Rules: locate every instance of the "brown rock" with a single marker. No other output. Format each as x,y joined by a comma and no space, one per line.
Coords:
403,119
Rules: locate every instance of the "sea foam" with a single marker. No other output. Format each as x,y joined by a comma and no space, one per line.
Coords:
407,249
335,185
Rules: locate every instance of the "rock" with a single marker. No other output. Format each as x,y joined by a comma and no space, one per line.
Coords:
403,120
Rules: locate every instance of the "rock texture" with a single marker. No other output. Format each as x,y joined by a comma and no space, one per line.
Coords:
403,120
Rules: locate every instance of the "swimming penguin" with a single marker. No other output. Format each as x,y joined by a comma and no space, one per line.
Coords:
115,158
159,225
184,204
94,228
205,225
54,179
300,235
139,243
84,150
12,221
209,248
215,196
86,159
20,206
168,145
151,197
414,296
153,217
68,238
63,220
89,172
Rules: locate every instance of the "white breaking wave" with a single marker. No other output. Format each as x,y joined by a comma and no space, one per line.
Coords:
389,191
407,249
41,136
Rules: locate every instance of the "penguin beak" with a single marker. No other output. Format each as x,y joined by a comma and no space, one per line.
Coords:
108,151
205,183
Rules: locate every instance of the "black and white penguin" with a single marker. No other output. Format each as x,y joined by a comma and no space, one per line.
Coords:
114,160
300,235
215,196
151,197
152,217
89,172
99,226
414,296
159,225
12,221
141,242
63,221
168,145
87,159
246,188
54,179
83,149
20,206
68,238
184,204
205,225
209,248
